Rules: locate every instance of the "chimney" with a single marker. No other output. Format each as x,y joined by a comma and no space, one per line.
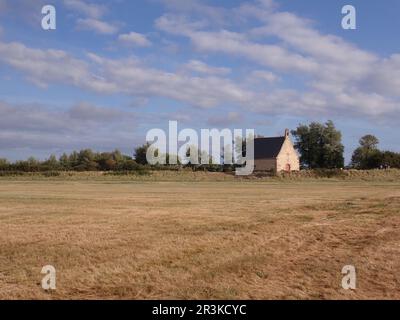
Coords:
287,133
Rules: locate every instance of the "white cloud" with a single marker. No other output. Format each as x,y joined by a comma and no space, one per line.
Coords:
237,44
217,15
44,66
135,39
87,112
133,78
265,75
335,76
34,127
90,17
96,25
385,77
23,11
128,76
340,76
201,67
91,10
226,120
178,24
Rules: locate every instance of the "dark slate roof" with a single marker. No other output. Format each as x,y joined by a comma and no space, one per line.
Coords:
266,148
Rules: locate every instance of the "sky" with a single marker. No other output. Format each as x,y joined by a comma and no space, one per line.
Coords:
112,70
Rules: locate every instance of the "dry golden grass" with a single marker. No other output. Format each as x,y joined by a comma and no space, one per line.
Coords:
199,240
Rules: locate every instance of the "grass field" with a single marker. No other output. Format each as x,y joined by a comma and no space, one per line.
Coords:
199,240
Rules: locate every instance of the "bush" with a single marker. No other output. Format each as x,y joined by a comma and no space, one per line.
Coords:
11,173
329,173
49,174
129,165
127,173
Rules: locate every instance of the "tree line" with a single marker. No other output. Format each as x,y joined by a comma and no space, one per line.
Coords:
89,160
319,145
84,160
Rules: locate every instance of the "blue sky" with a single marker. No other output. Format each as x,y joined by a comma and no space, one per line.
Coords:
114,69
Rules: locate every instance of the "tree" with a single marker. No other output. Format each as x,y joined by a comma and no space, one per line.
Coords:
117,156
129,165
319,145
391,159
51,163
367,155
73,159
141,154
86,161
369,142
106,161
64,162
4,164
30,165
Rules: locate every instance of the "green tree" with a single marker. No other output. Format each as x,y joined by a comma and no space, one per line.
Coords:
369,142
106,161
4,164
367,155
73,159
30,165
86,161
391,159
51,163
117,156
319,145
141,154
64,162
